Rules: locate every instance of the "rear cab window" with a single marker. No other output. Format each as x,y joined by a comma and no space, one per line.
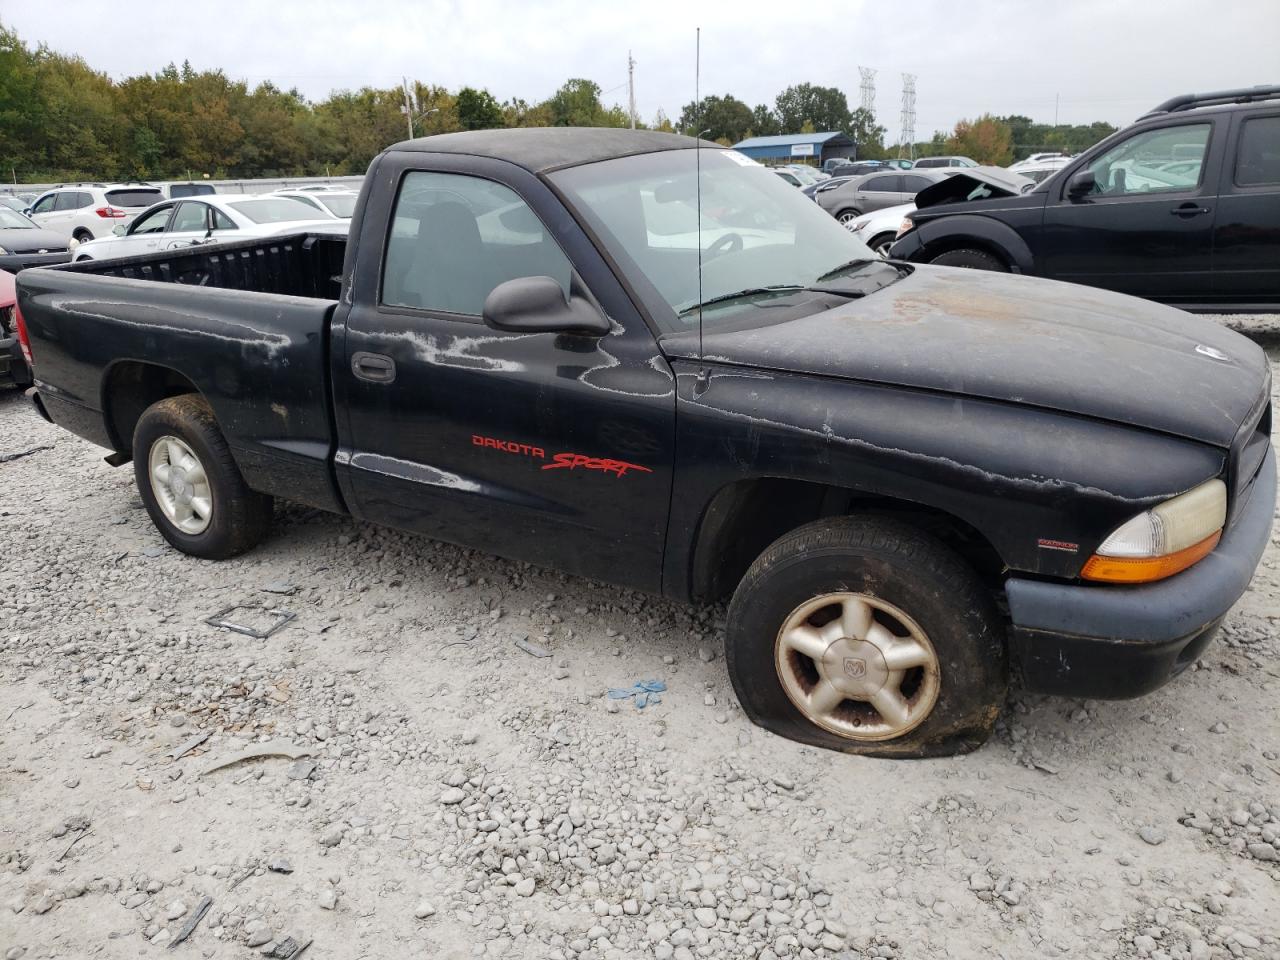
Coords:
455,237
133,197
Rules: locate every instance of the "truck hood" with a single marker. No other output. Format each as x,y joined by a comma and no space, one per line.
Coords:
1014,339
974,183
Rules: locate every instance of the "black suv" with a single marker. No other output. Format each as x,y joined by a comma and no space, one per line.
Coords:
1182,207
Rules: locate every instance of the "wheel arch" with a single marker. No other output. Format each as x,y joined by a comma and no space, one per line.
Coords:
128,388
981,233
744,517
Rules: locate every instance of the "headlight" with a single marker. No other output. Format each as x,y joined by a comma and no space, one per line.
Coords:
1164,540
859,224
904,226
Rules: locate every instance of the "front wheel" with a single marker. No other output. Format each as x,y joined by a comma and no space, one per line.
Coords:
849,215
866,635
190,483
880,244
973,259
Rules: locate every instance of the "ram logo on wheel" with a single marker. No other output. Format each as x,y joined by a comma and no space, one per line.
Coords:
854,668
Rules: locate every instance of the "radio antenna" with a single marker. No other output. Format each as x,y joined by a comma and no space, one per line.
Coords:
704,376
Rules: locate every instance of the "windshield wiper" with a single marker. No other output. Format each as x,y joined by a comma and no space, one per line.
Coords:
860,262
777,289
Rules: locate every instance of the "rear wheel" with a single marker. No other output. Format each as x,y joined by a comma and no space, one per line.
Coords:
866,635
971,258
848,215
190,483
82,235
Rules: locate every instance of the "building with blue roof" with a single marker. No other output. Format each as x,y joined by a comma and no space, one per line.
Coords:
815,147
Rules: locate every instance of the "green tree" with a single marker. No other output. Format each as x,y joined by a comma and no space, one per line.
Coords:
824,107
576,104
478,110
764,122
725,117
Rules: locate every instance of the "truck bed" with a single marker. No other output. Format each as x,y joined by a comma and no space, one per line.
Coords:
110,337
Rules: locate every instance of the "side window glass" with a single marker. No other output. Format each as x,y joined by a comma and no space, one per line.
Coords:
914,184
1168,160
152,222
454,238
190,218
1258,156
879,184
221,221
45,204
66,201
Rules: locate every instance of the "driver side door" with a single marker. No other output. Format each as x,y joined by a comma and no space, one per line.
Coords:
188,226
554,448
1147,229
144,234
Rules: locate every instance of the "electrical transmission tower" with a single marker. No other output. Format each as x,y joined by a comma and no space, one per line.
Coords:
908,120
868,89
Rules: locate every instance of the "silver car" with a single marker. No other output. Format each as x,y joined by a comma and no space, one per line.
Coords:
852,198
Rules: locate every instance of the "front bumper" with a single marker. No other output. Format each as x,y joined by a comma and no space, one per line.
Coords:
906,246
14,262
1111,642
14,371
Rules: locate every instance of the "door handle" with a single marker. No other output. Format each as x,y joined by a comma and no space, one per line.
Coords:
373,367
1188,210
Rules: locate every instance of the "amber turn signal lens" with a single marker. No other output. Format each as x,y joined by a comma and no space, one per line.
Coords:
1148,569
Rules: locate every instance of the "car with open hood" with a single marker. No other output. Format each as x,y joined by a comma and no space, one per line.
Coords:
637,357
1182,207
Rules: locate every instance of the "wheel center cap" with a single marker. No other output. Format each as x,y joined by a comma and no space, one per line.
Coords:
181,489
855,667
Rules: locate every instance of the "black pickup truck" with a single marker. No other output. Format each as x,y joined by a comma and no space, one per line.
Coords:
568,347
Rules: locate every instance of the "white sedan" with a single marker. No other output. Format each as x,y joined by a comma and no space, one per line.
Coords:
878,230
339,204
220,218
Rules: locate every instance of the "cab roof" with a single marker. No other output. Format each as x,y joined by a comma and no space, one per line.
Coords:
544,149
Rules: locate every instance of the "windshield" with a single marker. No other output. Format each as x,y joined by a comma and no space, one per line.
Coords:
759,235
339,204
11,220
275,210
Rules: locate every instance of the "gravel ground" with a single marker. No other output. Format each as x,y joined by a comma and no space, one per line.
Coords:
433,790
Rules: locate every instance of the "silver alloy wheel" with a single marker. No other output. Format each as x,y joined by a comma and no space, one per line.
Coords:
848,216
883,248
857,666
180,485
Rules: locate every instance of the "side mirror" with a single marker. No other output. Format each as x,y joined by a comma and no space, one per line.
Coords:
538,305
1082,183
26,211
119,229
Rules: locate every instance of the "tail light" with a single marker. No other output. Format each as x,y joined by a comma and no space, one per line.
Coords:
24,339
111,213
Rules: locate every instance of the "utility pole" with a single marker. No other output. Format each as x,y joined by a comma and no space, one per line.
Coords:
408,107
1056,97
631,87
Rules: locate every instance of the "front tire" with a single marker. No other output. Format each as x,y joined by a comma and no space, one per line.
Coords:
971,258
190,484
880,244
868,636
848,215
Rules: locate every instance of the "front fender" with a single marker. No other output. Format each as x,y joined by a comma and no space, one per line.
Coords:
932,236
1043,488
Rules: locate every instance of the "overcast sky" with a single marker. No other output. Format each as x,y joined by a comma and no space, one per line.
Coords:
1107,59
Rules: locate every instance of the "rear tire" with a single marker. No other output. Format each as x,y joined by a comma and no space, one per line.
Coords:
868,636
971,258
190,483
82,236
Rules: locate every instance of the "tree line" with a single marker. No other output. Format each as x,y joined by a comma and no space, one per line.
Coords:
62,120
